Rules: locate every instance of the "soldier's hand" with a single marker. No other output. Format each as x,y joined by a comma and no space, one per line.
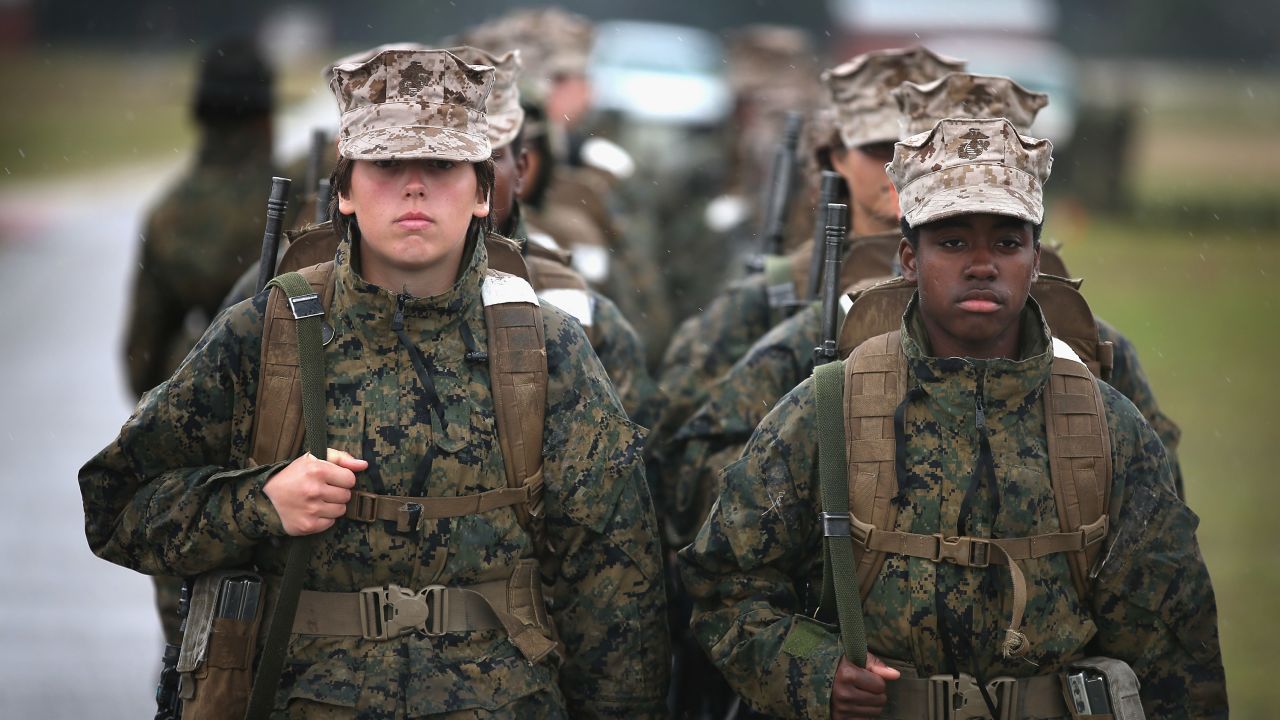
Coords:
309,494
860,692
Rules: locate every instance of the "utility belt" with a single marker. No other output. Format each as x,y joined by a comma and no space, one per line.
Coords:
1089,689
390,611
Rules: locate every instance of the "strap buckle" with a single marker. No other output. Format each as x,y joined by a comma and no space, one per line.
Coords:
959,698
409,517
964,550
306,306
363,507
835,524
391,611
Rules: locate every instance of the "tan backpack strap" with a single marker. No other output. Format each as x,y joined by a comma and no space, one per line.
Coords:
875,384
408,512
518,381
1079,454
277,426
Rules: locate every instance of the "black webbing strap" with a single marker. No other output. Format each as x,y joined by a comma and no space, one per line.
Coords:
308,314
839,574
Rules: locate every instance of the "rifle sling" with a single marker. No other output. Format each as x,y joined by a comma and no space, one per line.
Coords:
308,314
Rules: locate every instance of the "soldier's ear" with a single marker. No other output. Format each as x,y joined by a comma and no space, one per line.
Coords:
522,167
481,208
907,260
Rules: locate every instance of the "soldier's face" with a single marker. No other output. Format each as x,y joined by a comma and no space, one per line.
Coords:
875,201
413,214
508,181
974,273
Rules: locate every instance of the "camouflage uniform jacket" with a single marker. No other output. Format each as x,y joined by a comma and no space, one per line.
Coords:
756,564
196,241
716,435
707,346
619,347
172,494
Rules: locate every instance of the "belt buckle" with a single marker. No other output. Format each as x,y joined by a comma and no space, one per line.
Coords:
436,601
1004,691
955,698
390,611
964,550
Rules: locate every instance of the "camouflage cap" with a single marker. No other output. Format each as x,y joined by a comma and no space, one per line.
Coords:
965,166
966,95
764,58
860,90
411,103
503,106
552,43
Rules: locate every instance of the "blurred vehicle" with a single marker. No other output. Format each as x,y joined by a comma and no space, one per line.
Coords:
658,72
1014,38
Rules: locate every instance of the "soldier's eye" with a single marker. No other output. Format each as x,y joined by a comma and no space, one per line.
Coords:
442,164
386,164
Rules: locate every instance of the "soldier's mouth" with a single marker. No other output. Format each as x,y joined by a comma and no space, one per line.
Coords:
980,301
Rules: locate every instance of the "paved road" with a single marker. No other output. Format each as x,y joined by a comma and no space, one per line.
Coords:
78,636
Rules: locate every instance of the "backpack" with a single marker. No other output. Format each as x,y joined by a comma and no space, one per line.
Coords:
856,402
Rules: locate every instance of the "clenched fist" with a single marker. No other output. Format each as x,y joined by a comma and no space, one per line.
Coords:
860,692
309,494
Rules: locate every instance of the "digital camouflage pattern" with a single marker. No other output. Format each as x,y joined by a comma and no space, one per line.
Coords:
861,90
969,165
551,41
756,565
965,95
707,345
172,494
717,433
409,103
502,108
619,347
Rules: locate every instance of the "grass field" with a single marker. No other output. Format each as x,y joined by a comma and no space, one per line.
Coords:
1201,310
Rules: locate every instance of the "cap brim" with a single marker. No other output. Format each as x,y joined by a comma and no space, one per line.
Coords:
416,142
973,199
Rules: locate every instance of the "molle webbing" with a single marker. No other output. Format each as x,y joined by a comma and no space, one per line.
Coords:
1080,472
518,381
278,426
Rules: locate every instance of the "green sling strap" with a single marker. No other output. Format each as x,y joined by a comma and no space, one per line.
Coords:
308,313
839,578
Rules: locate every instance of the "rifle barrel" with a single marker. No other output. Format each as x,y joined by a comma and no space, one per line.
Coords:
836,228
782,184
277,202
828,192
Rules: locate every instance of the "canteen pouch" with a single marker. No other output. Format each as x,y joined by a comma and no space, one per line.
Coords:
1085,681
216,663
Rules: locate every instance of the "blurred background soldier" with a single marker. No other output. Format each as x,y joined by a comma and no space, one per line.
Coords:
569,187
204,232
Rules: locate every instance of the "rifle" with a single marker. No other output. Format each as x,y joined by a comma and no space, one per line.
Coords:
168,704
315,157
828,192
324,194
836,228
276,204
781,186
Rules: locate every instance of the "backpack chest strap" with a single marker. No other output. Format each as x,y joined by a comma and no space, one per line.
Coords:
408,512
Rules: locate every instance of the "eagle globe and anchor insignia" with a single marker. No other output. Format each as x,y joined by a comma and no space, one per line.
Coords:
975,143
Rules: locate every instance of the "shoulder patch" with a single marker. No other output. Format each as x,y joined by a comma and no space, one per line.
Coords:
542,239
575,302
499,287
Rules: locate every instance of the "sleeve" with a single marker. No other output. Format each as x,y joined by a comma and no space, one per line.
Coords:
718,432
168,495
154,319
1153,600
1130,379
756,557
622,353
603,563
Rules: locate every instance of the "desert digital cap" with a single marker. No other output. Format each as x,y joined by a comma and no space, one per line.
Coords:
410,103
860,90
966,95
503,106
966,165
551,41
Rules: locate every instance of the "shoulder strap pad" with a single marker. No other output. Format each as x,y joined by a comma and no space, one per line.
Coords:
309,246
278,423
1079,455
518,381
875,383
